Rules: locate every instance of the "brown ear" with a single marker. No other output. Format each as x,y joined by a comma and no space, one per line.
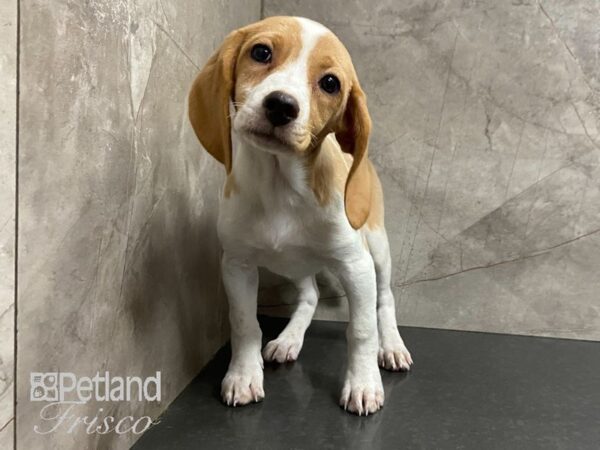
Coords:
353,138
209,100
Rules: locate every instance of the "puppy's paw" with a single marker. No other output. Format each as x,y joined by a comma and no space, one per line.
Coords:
395,358
283,349
362,394
242,386
393,354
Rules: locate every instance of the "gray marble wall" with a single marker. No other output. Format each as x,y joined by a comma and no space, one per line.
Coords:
487,139
118,254
8,114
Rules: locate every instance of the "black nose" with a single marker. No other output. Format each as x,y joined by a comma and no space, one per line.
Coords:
280,108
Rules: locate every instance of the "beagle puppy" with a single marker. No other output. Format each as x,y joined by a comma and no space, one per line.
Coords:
280,106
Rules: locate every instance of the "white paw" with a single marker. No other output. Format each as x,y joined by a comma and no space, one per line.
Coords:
393,354
362,394
243,386
395,358
282,349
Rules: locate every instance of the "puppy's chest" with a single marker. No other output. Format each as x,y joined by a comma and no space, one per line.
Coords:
278,231
287,239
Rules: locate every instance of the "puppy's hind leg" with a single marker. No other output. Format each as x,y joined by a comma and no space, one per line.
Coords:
289,342
393,354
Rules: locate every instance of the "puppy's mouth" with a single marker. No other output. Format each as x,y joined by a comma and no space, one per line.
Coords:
268,139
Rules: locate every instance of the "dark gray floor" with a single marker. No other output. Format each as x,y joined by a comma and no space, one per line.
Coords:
467,390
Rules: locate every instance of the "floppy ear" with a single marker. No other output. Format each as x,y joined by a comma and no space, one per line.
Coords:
209,100
353,138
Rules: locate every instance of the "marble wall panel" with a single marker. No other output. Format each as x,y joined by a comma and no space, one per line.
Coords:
8,114
118,255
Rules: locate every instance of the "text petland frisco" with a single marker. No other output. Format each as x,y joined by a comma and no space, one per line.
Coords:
65,393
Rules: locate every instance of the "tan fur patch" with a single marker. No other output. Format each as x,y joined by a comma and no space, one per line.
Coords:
328,171
283,35
329,56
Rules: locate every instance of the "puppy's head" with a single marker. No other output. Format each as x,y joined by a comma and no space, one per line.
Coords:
291,82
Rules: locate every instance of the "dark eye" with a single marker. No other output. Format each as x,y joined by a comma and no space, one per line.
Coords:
330,84
261,53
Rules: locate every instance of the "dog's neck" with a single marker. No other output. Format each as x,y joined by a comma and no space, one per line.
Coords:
271,174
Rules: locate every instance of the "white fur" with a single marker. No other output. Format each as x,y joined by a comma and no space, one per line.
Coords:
273,220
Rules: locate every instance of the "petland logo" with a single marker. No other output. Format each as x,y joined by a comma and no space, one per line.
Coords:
64,391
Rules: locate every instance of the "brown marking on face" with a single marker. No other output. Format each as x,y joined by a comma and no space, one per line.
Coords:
283,35
329,56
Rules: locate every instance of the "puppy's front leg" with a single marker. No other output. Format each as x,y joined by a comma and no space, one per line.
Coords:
243,382
363,390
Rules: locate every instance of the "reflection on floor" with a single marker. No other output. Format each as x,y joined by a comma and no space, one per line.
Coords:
467,390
